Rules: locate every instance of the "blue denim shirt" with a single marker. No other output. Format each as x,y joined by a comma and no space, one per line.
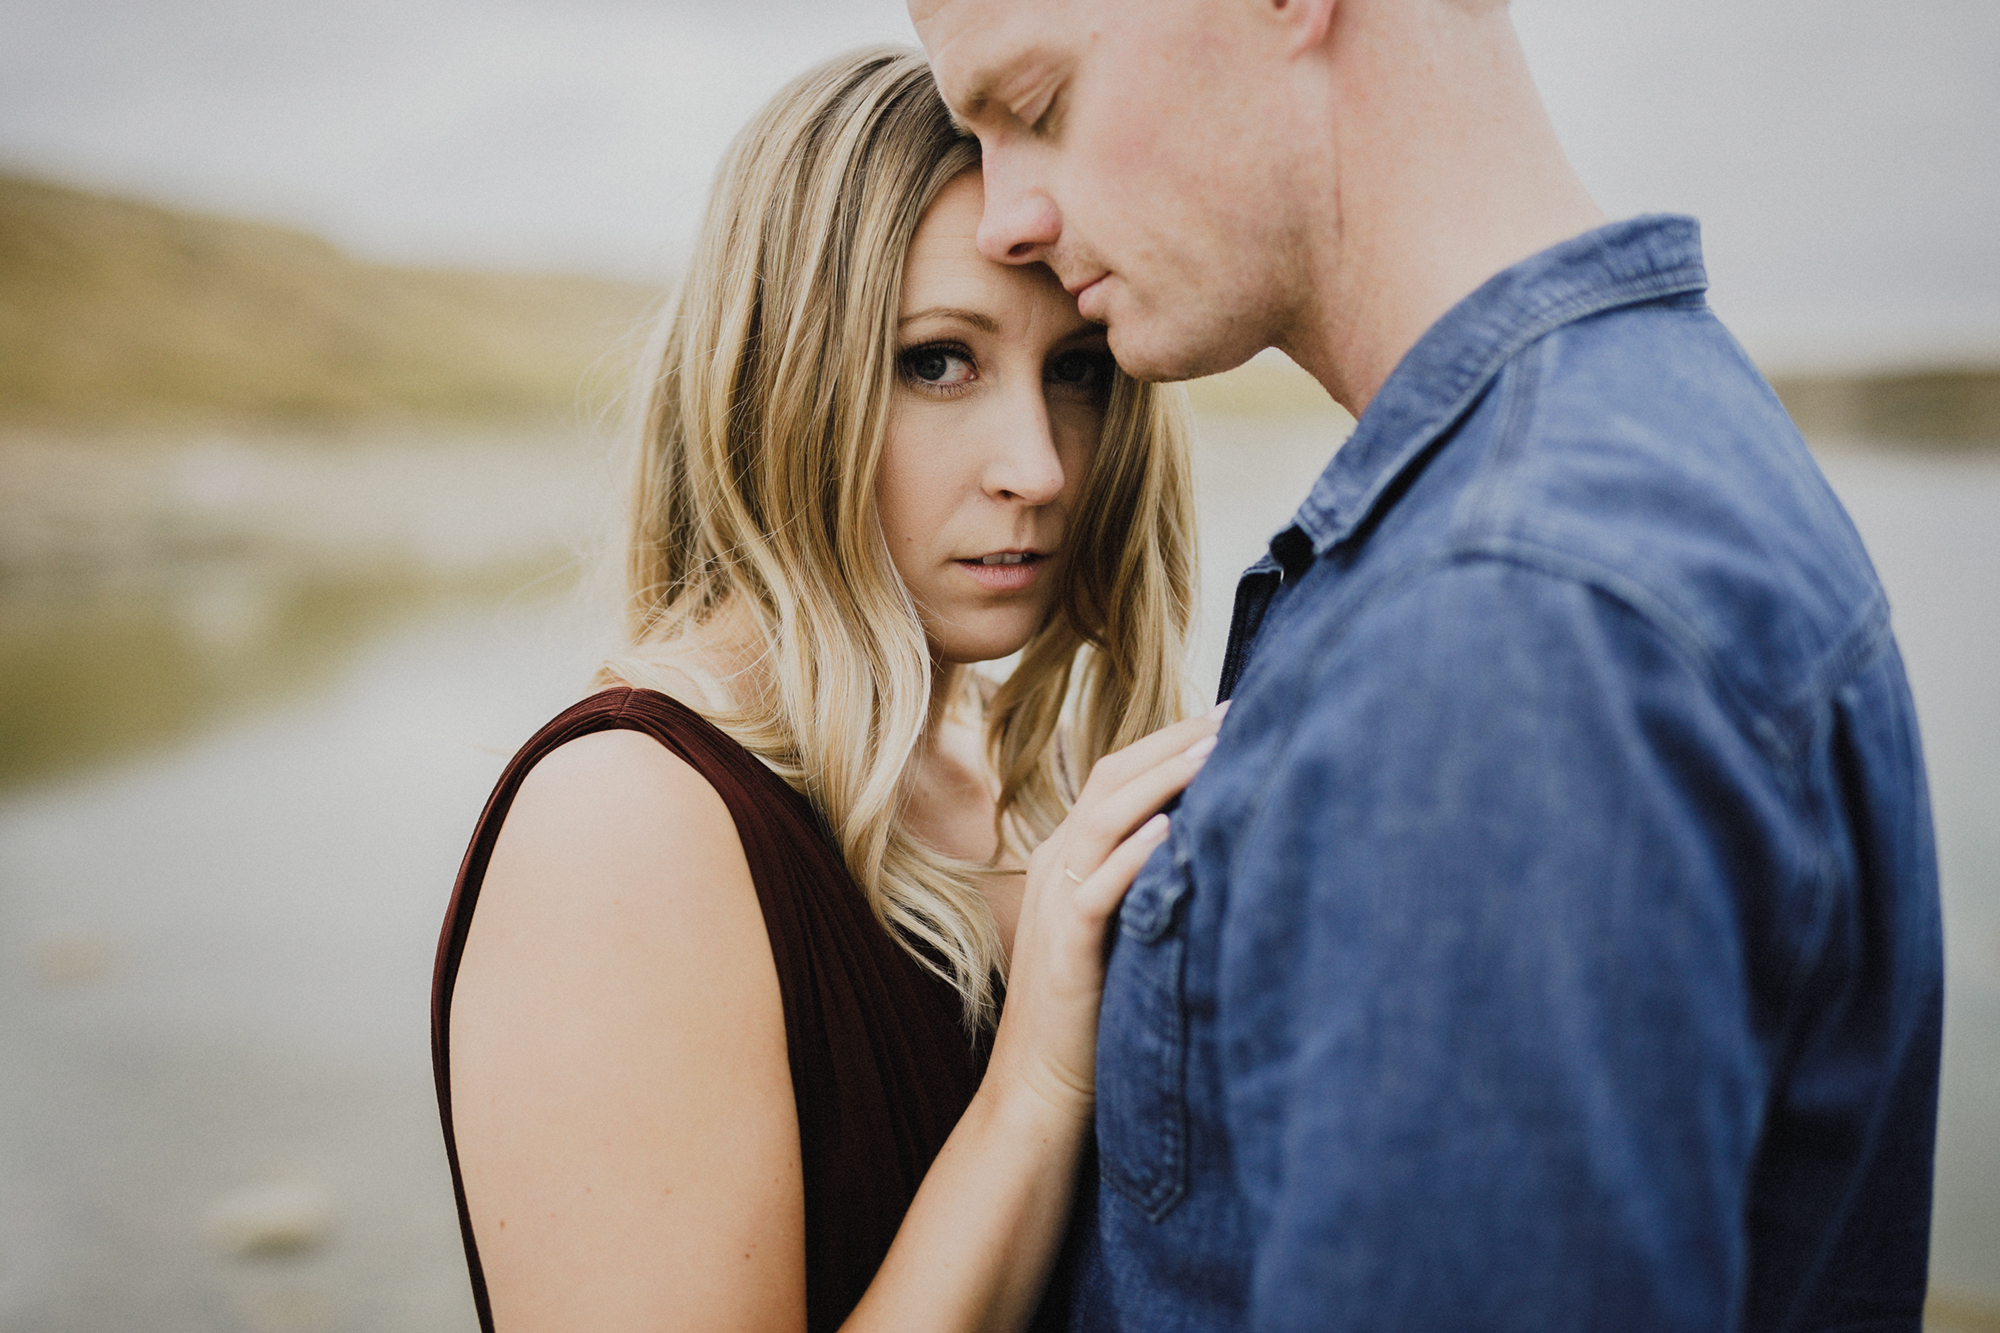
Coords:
1552,942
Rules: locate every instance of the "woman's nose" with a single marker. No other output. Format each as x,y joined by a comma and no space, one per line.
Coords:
1024,464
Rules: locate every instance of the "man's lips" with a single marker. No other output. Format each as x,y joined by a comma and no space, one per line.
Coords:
1089,297
1005,571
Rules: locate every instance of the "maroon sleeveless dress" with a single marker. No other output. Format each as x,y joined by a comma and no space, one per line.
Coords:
881,1069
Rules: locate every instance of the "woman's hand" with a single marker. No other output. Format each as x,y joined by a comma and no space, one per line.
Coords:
1047,1039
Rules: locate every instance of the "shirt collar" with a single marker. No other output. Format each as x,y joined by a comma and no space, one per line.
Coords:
1625,263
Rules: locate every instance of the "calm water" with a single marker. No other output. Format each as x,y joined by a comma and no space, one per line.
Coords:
215,1103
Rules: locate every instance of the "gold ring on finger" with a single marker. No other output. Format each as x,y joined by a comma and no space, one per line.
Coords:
1074,878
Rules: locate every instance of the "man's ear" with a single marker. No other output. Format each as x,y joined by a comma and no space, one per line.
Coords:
1305,22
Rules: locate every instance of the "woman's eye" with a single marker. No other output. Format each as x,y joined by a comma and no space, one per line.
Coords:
941,366
1081,370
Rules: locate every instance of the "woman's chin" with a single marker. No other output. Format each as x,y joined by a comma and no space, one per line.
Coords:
960,648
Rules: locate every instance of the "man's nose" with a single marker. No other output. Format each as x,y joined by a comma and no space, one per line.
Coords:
1020,221
1024,464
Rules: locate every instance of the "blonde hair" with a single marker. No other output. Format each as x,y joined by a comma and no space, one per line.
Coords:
754,488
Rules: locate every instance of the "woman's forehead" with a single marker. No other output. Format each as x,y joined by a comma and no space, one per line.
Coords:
951,223
946,273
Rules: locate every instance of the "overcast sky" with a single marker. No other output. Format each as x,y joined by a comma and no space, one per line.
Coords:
1844,155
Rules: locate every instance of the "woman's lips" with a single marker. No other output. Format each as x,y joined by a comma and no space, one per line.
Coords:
1005,571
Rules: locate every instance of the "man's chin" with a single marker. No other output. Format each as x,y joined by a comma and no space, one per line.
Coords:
1166,356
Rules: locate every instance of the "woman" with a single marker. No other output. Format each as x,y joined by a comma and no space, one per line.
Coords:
713,1050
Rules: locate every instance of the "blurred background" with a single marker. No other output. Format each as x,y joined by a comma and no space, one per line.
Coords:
312,319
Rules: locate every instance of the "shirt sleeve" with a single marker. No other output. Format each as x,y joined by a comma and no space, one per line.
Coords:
1488,1005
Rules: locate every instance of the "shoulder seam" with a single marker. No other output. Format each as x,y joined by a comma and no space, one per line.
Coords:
1781,724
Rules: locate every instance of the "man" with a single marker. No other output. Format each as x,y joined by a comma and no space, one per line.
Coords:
1552,942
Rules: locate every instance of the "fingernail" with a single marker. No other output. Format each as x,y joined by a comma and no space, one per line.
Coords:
1156,827
1219,709
1200,749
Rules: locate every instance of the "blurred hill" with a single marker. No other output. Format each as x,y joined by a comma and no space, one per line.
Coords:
1946,408
124,314
1942,407
120,313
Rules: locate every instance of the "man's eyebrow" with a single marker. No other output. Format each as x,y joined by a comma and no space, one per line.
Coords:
984,323
975,92
975,105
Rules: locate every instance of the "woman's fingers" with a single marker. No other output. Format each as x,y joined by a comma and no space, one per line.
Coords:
1094,831
1105,887
1076,880
1116,769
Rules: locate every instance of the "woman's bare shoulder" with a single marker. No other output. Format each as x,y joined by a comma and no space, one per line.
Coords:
613,825
620,766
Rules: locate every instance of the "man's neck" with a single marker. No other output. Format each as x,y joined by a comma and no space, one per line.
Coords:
1444,170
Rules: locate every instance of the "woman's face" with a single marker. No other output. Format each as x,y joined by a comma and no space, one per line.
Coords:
998,405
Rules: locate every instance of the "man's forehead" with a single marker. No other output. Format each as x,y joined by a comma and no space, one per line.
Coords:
961,15
974,44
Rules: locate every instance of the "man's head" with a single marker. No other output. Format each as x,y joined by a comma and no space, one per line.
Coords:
1147,153
1212,177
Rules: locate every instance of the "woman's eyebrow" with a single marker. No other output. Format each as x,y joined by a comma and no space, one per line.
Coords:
1086,332
984,323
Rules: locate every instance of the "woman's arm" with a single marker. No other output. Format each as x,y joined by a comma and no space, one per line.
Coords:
620,1088
621,1092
